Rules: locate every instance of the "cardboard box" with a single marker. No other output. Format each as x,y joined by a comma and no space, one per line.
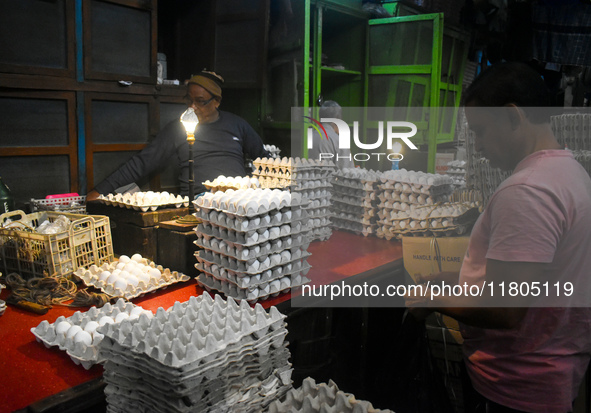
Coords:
429,255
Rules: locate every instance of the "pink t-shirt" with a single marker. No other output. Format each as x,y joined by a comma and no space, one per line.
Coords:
541,213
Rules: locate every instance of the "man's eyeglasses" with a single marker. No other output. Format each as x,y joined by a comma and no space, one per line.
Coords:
197,102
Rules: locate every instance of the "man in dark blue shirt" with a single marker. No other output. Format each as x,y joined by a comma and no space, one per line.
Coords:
221,141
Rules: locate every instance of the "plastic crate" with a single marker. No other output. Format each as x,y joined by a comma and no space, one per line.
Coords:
87,241
70,204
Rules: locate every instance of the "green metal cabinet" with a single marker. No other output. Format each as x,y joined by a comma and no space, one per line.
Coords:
332,50
415,65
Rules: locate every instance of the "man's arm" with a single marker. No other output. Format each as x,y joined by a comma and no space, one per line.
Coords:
476,310
143,163
252,142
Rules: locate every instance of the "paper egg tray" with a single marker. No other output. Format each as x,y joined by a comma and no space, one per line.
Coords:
347,224
223,183
297,174
214,374
246,352
358,175
348,200
272,289
260,280
274,218
321,234
238,393
249,202
319,221
293,164
113,200
341,188
91,275
408,188
319,187
253,237
243,253
339,204
321,398
411,198
209,326
319,212
274,183
80,351
254,265
197,357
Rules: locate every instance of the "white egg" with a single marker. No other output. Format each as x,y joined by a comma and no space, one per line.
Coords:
133,280
62,327
129,267
137,258
72,331
120,266
124,274
104,276
155,273
124,259
120,284
105,320
136,311
113,278
143,277
120,317
83,337
91,327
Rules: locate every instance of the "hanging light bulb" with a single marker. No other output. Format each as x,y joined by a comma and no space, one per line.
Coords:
190,121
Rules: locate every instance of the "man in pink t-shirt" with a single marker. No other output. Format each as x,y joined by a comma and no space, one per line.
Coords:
525,353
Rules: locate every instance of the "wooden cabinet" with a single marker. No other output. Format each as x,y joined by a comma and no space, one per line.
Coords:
78,93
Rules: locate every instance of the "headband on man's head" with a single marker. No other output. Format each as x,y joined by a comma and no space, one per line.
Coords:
210,81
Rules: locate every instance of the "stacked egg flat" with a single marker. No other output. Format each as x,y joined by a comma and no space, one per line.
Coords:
144,201
401,191
457,171
354,200
129,277
203,355
78,335
310,178
253,242
446,219
222,183
321,398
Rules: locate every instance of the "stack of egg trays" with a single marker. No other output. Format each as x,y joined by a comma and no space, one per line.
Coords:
308,177
203,355
91,277
445,219
126,201
253,256
396,196
355,200
291,168
313,184
316,398
82,353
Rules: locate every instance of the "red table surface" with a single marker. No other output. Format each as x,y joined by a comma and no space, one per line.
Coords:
31,372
